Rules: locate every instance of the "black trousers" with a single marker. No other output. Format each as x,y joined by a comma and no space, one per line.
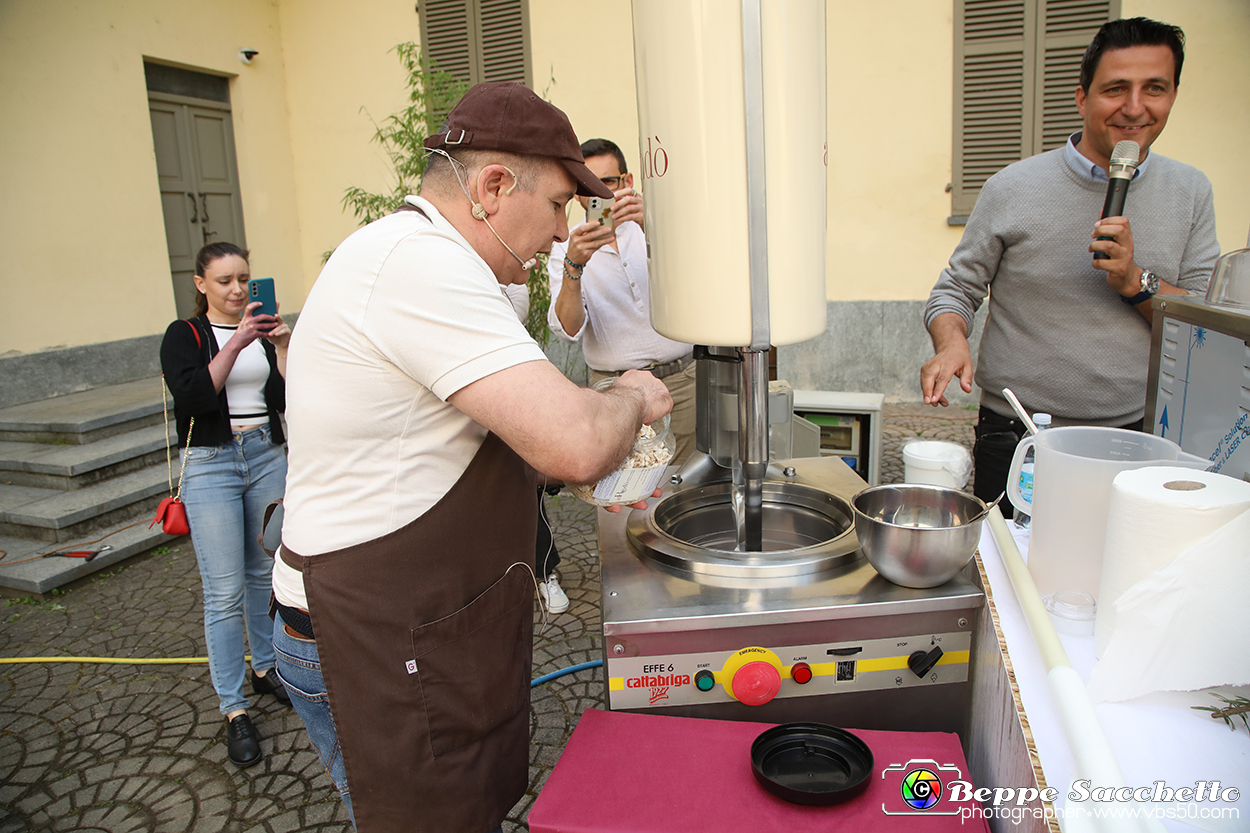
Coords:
546,556
997,437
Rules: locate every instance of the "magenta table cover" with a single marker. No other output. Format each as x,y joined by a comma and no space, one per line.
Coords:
639,773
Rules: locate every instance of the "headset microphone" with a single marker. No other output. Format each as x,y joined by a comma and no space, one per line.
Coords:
479,212
1124,160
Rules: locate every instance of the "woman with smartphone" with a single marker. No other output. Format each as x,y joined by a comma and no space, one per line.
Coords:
225,367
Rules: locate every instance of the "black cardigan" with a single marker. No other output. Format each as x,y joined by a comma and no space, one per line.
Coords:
185,365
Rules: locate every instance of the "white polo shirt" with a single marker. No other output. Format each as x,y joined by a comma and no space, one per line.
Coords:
403,315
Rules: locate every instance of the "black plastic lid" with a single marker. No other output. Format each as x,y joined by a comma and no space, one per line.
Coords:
811,763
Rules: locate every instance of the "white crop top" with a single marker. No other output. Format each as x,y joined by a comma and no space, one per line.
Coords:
245,386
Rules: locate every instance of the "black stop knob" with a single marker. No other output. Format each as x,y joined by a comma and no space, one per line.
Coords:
920,662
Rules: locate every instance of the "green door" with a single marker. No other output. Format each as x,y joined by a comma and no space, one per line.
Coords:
199,183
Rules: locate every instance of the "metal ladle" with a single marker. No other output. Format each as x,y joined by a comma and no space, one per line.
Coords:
987,509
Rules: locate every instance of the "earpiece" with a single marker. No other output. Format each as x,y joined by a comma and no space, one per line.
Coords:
479,213
515,181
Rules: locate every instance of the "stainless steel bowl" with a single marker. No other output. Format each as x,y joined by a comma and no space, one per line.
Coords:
918,536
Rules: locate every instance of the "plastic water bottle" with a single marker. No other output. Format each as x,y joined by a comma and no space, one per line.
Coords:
1021,519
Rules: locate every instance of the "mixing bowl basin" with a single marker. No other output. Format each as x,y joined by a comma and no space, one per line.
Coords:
917,535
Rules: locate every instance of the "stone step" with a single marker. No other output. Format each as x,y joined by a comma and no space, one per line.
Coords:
56,516
70,467
86,416
42,575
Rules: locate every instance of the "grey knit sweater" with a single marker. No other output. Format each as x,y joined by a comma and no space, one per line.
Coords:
1057,335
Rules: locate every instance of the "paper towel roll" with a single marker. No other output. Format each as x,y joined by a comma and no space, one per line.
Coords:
1183,627
1154,514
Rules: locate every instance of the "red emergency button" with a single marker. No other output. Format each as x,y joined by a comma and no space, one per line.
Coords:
801,673
756,683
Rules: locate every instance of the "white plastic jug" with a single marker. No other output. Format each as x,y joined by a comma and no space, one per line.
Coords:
1072,477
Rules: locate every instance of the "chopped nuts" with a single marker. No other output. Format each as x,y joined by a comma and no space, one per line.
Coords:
649,452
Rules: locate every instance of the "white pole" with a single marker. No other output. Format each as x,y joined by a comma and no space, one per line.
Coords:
1091,751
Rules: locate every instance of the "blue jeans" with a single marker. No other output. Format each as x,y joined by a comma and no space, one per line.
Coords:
299,669
226,489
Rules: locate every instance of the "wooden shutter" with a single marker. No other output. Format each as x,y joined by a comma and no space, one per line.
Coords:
477,40
504,44
993,72
1066,28
447,37
1017,64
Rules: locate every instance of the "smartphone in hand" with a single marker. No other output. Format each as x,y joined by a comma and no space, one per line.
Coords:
261,289
599,210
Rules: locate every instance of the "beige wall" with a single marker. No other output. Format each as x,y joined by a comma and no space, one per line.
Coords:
890,106
590,56
890,111
81,224
343,80
1211,119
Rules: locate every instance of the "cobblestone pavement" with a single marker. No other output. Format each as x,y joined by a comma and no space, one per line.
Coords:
129,748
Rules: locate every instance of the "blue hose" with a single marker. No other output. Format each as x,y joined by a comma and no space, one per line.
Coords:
546,678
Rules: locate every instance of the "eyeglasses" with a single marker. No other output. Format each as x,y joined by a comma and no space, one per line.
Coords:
612,182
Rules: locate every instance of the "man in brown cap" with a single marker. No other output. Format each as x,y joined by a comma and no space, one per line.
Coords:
417,405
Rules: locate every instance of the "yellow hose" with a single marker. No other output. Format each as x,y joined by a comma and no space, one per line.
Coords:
112,660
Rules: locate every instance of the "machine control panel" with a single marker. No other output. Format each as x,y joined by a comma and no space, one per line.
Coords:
756,675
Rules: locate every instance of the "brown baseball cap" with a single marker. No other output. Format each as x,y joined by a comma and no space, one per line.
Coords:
508,116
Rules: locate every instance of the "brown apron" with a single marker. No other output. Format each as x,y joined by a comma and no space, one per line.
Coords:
425,639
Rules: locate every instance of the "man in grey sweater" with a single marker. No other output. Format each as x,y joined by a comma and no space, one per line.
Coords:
1068,333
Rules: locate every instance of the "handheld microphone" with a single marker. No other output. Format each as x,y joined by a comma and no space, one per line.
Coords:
1123,165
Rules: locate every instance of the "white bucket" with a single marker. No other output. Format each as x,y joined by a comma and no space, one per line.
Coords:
937,463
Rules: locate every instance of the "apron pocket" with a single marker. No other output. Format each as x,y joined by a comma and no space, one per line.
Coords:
473,666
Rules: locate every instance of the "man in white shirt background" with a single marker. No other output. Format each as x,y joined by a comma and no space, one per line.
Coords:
600,296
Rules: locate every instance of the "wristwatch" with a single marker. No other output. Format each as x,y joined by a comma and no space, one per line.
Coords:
1149,287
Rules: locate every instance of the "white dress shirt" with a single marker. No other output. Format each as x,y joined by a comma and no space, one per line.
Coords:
617,334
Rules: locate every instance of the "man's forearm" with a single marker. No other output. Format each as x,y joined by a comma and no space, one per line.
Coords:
948,329
569,307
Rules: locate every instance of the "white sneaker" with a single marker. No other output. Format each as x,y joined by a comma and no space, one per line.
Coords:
553,595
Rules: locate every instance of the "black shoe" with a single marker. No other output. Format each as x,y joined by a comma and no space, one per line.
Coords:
242,742
270,684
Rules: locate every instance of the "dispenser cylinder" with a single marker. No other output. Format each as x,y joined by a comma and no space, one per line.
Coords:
692,122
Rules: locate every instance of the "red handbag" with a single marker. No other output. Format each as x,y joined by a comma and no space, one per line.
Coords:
171,513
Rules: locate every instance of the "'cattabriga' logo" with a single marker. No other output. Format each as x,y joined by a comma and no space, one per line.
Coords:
652,681
658,683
